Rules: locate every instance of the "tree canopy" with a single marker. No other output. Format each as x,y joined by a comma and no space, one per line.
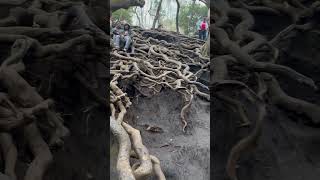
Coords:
125,14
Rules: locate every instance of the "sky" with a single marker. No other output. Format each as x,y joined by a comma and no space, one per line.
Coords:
169,6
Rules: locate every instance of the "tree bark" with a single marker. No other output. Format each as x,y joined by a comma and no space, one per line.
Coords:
191,17
138,17
157,17
177,16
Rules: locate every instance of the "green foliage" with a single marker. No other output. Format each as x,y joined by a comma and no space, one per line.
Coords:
188,23
125,14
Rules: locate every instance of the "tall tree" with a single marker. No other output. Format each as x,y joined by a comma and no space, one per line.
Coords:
138,17
177,16
191,15
142,16
157,17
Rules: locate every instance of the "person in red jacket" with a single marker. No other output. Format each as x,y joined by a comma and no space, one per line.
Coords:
203,29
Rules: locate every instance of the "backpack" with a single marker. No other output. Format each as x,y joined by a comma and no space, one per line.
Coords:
203,26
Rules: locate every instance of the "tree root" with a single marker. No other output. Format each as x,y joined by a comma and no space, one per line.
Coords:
40,150
246,60
123,164
244,54
40,31
156,64
9,151
279,97
157,168
236,106
145,167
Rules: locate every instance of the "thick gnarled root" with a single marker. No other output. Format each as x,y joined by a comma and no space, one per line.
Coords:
35,32
59,132
9,152
40,150
123,165
280,98
145,168
242,54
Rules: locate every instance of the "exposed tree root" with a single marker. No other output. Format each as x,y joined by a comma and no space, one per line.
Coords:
279,97
145,167
157,63
40,150
42,31
241,54
9,151
123,164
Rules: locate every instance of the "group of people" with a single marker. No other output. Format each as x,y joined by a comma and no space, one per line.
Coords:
121,34
203,27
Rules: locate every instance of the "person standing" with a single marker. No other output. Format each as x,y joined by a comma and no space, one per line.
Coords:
203,29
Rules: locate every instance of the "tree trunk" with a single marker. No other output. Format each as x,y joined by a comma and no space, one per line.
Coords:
191,17
138,17
142,17
177,16
157,17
